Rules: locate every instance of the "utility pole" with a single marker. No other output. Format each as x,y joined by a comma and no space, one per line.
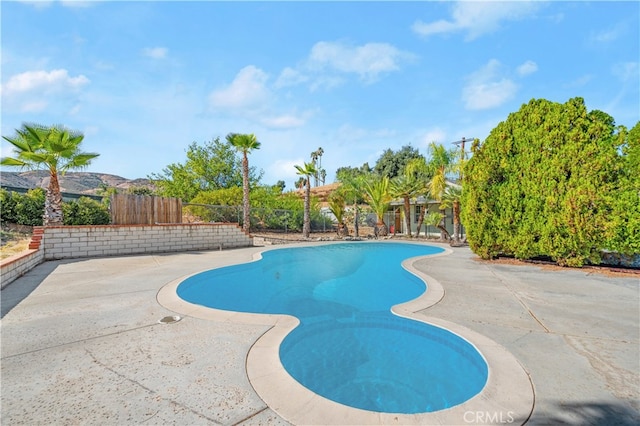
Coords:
461,142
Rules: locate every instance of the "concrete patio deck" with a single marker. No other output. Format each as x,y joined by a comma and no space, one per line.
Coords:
82,342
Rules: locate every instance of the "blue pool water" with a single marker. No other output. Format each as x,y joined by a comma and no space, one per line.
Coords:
349,347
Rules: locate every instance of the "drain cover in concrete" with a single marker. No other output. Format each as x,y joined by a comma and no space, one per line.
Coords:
170,319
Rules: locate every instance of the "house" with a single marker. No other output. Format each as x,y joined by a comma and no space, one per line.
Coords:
395,217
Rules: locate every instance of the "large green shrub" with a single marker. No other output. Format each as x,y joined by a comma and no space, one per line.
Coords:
218,205
543,183
27,209
85,211
625,216
23,209
7,206
270,208
273,209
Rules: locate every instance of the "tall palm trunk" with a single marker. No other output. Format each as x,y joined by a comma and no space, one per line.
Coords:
246,219
53,202
381,229
423,209
356,216
306,226
407,215
444,234
456,221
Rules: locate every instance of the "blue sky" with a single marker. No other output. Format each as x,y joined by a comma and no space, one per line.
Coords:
143,80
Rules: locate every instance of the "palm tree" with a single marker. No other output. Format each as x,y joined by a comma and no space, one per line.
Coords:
377,194
316,159
54,148
422,173
435,219
337,207
307,170
451,198
405,186
442,162
244,144
353,187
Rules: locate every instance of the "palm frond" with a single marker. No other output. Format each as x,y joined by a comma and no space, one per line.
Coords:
13,162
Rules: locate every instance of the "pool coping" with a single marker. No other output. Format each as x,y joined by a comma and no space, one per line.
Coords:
507,397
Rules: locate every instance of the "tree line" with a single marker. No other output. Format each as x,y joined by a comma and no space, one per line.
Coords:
552,180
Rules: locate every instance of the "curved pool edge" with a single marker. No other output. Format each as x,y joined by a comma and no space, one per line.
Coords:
507,395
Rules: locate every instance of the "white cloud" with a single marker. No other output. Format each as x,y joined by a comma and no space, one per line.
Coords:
78,3
290,77
248,96
529,67
330,63
37,91
33,106
285,121
285,169
434,135
486,88
477,17
75,109
326,82
368,61
43,81
41,4
626,71
609,35
580,81
155,52
247,90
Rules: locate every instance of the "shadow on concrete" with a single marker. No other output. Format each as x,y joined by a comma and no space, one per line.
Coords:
587,414
18,290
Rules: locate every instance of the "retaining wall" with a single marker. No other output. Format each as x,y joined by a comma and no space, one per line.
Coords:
19,264
61,242
64,242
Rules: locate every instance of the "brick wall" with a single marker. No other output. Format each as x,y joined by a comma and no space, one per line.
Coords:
17,265
62,242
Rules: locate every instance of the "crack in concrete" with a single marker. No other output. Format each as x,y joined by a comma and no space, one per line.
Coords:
249,417
79,341
151,391
517,297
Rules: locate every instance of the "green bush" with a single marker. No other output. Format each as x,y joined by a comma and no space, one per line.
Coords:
228,198
543,184
270,208
8,201
23,209
625,216
27,209
30,208
85,211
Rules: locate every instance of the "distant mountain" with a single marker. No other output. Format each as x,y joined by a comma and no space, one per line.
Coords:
72,182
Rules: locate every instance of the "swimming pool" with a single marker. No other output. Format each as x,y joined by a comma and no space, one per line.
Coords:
349,347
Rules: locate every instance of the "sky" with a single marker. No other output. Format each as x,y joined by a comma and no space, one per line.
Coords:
143,80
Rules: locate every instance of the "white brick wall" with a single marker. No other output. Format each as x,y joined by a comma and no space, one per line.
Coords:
19,264
61,242
83,241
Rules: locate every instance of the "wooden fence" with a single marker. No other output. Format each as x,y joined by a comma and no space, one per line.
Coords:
144,210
